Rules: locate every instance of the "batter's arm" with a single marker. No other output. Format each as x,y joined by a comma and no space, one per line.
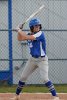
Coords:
23,36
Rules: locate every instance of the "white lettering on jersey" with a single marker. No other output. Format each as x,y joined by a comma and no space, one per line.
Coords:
30,45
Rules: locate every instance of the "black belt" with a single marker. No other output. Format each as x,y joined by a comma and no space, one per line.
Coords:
42,56
38,56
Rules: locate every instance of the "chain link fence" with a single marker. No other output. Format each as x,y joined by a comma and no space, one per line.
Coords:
14,54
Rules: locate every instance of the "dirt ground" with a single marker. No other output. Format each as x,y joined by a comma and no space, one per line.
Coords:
32,96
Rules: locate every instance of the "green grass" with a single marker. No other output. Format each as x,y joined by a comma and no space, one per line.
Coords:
33,89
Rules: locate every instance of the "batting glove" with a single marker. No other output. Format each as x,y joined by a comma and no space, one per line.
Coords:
19,27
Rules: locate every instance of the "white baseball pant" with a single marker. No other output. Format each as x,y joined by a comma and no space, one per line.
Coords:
34,63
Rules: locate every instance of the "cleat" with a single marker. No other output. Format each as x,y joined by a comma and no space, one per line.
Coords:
56,98
15,98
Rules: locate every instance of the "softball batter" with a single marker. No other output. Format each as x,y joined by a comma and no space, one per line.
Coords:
38,58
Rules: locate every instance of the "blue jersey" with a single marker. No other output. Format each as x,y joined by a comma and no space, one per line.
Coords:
38,46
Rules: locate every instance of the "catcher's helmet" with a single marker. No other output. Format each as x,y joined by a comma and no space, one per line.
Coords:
34,22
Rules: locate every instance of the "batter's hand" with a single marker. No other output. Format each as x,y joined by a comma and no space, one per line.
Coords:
19,27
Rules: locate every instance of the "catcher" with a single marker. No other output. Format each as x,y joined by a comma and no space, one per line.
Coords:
38,58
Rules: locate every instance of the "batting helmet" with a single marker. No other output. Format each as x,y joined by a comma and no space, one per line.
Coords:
34,22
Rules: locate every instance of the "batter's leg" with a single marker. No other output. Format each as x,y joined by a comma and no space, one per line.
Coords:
29,68
43,66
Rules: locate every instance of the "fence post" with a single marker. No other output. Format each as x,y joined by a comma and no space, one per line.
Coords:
10,41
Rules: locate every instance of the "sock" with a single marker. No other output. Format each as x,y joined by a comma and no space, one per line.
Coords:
50,85
19,88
